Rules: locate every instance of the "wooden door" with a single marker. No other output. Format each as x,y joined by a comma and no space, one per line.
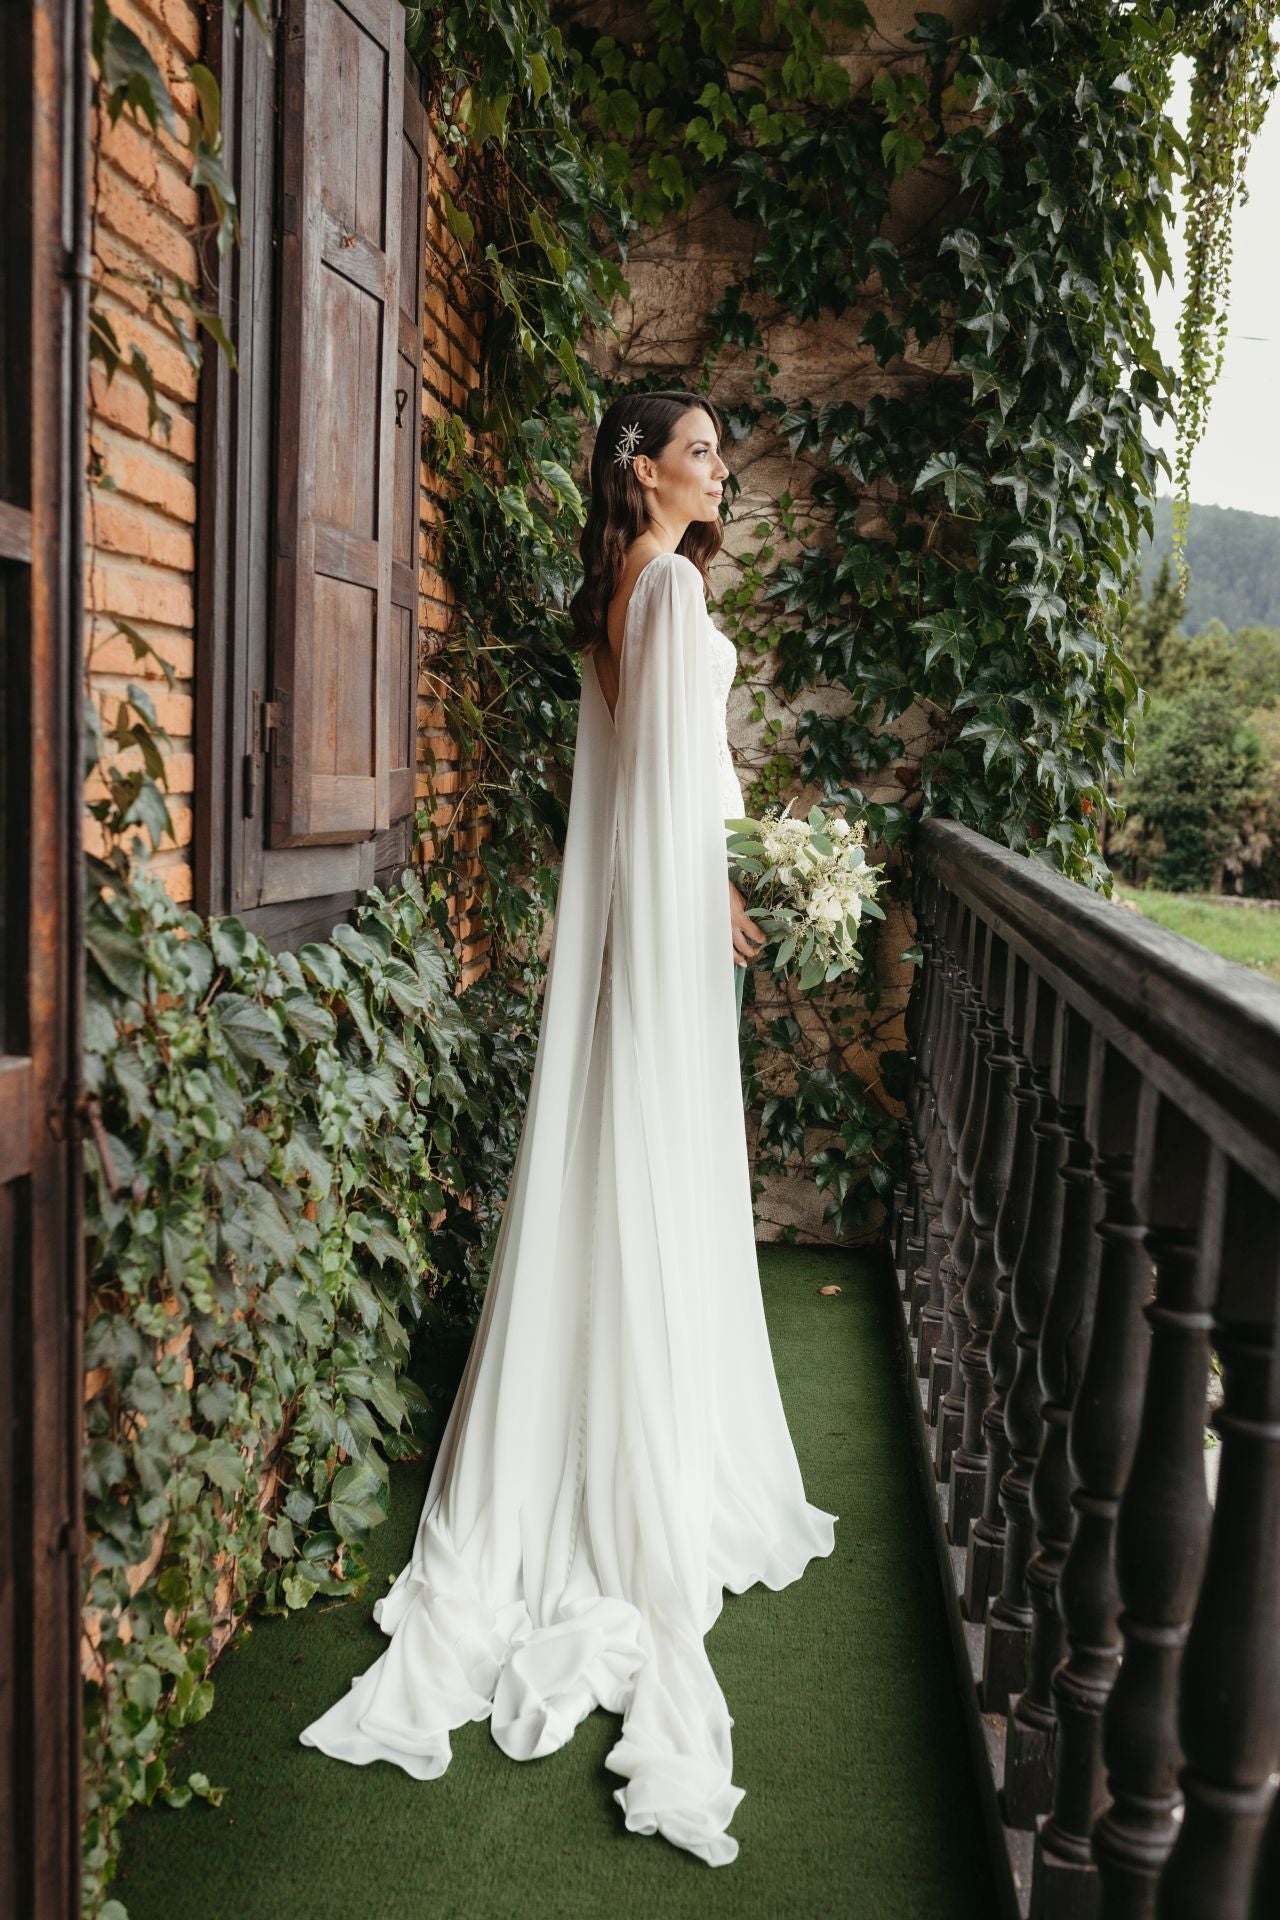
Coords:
42,381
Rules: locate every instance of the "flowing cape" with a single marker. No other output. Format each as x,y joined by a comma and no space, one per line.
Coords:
617,1453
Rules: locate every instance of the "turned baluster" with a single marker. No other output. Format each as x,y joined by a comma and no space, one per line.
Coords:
908,1238
924,1110
1265,1904
939,1157
1031,1283
916,1026
1162,1529
986,1537
1030,1755
978,1297
1229,1702
952,1214
1102,1436
922,1037
960,1246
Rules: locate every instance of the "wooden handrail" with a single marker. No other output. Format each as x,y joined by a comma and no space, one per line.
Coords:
1200,1027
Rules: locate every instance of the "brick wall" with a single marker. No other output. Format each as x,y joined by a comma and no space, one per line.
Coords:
142,527
451,357
143,501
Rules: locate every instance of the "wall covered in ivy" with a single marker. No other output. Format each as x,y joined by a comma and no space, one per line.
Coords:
900,251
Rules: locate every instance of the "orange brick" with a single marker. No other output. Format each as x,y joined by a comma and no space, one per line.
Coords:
133,152
175,710
96,838
166,27
147,473
143,594
124,211
123,404
120,527
110,652
179,770
174,869
172,372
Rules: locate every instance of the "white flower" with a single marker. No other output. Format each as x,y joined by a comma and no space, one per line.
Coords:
838,829
826,906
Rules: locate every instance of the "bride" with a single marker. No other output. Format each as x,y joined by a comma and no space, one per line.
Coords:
617,1454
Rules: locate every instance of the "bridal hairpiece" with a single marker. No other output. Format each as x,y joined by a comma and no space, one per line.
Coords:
628,440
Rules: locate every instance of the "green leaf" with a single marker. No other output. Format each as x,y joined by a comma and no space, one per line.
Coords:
299,1587
354,1503
249,1031
280,1538
119,955
221,1462
299,1505
459,222
130,75
307,1017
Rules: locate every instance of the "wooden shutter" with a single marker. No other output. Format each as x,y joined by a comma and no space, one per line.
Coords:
408,456
339,328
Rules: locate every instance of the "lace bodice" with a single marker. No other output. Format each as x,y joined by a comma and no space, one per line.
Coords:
724,665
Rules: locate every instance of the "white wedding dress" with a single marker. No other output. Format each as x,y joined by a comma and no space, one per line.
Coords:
617,1454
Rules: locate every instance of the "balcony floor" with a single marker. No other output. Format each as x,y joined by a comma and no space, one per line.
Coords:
848,1731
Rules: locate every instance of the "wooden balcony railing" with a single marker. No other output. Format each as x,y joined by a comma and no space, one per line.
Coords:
1092,1211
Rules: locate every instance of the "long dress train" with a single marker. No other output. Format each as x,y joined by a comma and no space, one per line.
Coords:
617,1454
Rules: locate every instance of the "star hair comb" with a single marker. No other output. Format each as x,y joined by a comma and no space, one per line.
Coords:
628,440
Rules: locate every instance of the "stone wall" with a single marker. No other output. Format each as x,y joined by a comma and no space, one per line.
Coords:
676,275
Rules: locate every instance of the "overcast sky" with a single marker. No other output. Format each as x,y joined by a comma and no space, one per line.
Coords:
1237,463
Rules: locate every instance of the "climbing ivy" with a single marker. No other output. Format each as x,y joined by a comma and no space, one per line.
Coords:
1234,50
981,611
294,1164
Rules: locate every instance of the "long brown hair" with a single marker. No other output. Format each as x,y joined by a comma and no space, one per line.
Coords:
617,516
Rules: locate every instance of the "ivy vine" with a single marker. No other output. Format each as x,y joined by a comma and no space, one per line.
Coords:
295,1166
1234,53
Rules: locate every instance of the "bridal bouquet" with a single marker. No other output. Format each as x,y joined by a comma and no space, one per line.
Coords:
807,883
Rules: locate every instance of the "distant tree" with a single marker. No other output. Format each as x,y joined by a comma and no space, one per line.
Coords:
1256,668
1168,660
1263,874
1197,801
1150,625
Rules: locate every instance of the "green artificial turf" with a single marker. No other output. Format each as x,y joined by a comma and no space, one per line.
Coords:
848,1738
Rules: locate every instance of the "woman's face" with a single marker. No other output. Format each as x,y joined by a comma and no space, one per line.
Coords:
686,480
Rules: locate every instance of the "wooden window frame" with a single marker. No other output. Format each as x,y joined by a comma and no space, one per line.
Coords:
44,377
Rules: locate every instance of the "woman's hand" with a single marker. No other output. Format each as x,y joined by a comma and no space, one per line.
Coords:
747,937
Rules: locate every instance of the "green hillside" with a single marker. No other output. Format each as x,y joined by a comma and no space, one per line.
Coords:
1234,562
